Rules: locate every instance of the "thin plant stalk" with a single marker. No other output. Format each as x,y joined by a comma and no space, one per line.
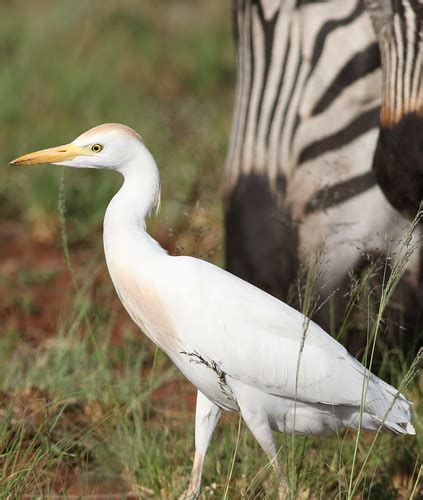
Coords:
225,495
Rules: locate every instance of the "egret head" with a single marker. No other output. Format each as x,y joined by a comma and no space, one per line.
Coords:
110,146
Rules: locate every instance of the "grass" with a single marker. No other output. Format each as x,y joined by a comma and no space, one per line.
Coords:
82,416
82,407
87,403
69,66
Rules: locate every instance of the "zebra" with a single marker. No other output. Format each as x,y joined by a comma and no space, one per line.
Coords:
399,30
304,133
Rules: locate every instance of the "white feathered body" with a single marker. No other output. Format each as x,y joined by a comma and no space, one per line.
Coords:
243,349
240,346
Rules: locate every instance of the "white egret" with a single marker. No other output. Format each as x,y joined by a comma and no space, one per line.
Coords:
238,345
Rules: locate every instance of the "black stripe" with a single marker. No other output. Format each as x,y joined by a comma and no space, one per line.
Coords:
420,278
357,67
336,194
289,100
278,92
417,7
240,81
365,122
327,29
297,122
416,43
250,90
268,27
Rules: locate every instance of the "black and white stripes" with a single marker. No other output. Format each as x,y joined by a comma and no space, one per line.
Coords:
398,161
304,133
293,67
398,27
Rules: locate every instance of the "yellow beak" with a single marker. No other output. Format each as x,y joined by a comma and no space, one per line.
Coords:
51,155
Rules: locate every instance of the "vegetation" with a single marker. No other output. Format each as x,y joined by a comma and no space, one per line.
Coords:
88,405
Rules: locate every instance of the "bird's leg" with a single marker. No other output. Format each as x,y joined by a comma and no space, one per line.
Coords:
259,426
206,417
283,489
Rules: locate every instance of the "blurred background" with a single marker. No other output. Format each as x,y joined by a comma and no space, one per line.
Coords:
88,405
167,70
164,68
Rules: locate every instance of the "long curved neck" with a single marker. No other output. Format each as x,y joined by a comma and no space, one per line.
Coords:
139,194
129,250
124,235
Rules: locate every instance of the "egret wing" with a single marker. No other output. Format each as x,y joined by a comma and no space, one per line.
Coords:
261,341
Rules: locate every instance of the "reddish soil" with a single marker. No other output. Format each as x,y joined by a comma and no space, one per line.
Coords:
36,285
36,289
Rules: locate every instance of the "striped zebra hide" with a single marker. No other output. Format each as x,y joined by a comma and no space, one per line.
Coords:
298,176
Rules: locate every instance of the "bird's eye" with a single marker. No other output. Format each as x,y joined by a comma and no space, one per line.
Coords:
96,148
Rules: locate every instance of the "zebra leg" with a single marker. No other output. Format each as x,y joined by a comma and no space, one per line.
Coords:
206,417
261,240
